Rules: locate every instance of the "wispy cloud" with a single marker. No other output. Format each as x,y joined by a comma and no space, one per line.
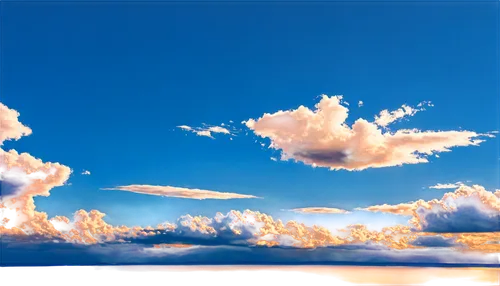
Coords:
169,191
447,186
206,131
319,210
86,172
387,117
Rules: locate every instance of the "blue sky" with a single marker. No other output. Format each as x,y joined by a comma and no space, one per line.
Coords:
104,86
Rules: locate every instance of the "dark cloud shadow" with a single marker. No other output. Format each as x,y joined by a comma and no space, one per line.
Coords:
11,184
436,241
466,218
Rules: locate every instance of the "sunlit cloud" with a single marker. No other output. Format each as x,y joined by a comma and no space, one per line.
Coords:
320,210
447,186
178,192
322,138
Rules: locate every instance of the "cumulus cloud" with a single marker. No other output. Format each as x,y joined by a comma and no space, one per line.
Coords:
320,210
10,127
168,191
360,103
467,209
206,131
447,186
86,172
22,177
322,138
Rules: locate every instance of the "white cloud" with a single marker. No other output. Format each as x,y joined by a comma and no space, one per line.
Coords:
322,138
178,192
10,127
320,210
447,186
206,131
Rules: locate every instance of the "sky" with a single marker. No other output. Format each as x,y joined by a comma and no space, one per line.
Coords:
117,92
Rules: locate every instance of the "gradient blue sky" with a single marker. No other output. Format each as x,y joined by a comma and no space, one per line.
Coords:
103,86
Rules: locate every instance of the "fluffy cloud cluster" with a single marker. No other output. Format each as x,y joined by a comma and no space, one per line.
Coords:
322,137
206,131
168,191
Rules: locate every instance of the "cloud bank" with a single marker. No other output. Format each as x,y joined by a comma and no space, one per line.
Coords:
177,192
322,137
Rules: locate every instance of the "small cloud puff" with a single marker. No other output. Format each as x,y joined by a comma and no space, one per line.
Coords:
206,131
320,210
169,191
322,138
86,172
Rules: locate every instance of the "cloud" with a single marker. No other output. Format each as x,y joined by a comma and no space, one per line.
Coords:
467,209
86,172
322,138
168,191
434,241
447,186
164,249
10,127
320,210
387,117
360,103
206,131
22,177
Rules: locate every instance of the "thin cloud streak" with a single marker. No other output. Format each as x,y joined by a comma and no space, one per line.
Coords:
179,192
319,210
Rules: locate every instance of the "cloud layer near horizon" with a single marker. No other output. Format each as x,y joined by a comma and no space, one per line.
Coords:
23,177
322,138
